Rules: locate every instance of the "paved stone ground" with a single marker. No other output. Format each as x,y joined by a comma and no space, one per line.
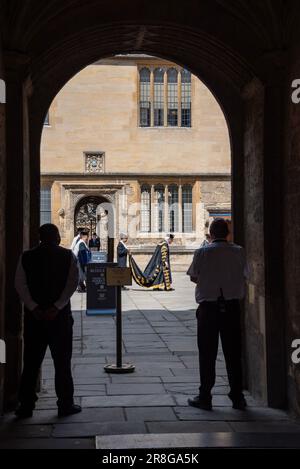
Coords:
159,338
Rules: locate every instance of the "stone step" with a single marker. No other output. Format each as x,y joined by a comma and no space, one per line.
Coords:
199,441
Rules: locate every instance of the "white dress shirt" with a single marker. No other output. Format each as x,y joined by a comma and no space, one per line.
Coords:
219,265
77,246
24,293
74,242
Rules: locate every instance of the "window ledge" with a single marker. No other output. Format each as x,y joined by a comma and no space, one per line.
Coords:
143,234
165,128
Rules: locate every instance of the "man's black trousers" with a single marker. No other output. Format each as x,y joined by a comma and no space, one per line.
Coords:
213,322
38,335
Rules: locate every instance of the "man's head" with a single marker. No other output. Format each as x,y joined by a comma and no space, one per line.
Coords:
170,238
79,230
49,234
219,229
94,235
124,237
84,235
208,237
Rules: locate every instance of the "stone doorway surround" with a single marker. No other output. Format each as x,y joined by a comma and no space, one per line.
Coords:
71,194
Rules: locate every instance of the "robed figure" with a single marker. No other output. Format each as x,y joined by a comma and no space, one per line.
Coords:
157,275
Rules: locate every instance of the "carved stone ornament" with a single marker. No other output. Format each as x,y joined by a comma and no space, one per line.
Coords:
94,162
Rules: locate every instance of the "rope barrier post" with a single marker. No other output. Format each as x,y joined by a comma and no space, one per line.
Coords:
115,277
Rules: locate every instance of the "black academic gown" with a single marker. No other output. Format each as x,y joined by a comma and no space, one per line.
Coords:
157,274
122,253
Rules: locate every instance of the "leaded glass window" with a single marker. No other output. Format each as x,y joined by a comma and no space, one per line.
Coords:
186,99
187,208
145,208
172,97
45,201
159,97
159,195
173,208
145,104
161,100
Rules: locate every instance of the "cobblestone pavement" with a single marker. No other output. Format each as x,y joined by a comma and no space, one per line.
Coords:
159,339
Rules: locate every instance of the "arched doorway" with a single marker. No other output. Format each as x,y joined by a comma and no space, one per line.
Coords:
96,215
86,214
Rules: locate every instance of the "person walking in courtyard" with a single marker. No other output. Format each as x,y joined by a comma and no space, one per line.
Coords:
76,239
46,278
219,271
122,250
83,254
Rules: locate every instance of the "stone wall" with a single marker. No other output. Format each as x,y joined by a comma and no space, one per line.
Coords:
216,194
292,233
97,110
254,240
2,226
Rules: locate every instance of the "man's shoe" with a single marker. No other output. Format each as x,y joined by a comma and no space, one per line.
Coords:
23,412
239,404
200,403
65,411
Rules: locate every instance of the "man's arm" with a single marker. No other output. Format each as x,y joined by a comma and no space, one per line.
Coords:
193,271
70,287
22,287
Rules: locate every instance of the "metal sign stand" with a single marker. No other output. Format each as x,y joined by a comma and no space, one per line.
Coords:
119,367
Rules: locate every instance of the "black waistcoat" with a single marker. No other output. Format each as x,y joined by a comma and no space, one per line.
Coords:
46,268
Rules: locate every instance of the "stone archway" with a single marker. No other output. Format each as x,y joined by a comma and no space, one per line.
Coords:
228,67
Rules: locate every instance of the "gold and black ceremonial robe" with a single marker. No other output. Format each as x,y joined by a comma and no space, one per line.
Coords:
157,274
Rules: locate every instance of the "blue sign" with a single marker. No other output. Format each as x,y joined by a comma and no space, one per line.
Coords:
101,298
99,256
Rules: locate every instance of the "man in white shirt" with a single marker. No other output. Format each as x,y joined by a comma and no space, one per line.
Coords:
83,256
46,278
219,271
76,239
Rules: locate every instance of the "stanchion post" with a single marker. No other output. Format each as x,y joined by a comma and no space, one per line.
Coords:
119,327
119,367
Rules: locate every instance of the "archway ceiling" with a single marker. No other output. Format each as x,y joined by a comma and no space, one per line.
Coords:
73,33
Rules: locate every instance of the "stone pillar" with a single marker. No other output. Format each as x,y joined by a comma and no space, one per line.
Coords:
291,240
17,216
166,210
263,225
273,241
255,344
153,209
180,208
2,220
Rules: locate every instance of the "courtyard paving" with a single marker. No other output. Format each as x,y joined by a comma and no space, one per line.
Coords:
159,338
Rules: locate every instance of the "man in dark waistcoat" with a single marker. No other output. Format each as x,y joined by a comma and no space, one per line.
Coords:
46,278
